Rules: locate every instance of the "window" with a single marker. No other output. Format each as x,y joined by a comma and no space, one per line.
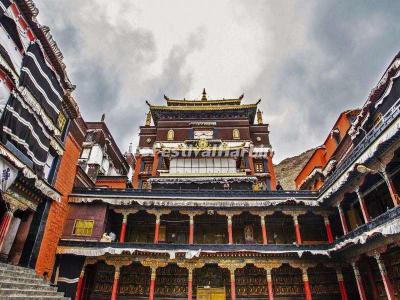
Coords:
236,134
61,121
83,227
148,167
203,134
170,135
85,153
48,167
259,167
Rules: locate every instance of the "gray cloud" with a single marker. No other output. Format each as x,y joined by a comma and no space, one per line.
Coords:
307,60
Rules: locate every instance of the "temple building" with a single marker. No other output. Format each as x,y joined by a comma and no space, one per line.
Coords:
195,211
204,219
204,144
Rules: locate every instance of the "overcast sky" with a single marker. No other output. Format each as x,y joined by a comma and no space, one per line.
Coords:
306,60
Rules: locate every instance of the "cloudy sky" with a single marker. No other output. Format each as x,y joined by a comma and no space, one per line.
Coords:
307,60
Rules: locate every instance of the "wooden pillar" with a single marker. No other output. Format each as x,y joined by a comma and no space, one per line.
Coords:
385,278
123,228
5,225
307,287
343,220
392,190
157,228
264,230
233,284
190,283
297,229
230,236
328,229
191,229
114,293
138,166
251,165
155,164
342,287
359,282
363,206
152,282
269,285
81,283
271,171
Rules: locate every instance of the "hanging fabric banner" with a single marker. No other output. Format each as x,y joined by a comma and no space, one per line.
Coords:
8,174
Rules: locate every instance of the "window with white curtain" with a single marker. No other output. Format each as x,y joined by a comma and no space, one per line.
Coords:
202,165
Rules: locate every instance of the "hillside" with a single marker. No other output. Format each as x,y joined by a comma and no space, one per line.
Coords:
289,168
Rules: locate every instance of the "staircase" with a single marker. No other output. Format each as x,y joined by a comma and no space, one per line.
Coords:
22,283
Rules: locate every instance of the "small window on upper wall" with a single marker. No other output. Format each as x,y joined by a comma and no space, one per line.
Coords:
259,166
85,153
170,135
236,134
48,169
83,227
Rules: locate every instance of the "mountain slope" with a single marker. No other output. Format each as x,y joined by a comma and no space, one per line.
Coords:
289,168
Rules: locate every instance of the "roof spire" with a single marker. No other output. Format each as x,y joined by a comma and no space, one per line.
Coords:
204,98
259,118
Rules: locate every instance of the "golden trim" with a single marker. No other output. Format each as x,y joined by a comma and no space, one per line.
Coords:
190,108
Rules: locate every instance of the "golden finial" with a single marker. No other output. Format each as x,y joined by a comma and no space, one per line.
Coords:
148,119
204,98
259,118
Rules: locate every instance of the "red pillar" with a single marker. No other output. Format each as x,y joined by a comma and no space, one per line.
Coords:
364,209
230,236
190,284
152,283
157,229
114,292
5,225
392,190
328,229
191,229
135,180
155,164
343,220
80,286
251,165
297,229
307,287
359,282
269,285
385,278
264,230
233,286
123,228
342,287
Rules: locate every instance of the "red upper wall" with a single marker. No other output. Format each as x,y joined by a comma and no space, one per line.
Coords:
324,153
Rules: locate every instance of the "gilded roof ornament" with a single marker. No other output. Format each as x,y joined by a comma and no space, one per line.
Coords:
259,118
204,98
148,119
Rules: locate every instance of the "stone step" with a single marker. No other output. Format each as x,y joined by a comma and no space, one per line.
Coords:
26,286
17,273
4,266
21,279
28,293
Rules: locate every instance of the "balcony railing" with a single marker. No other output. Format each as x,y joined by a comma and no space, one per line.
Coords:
390,116
217,193
382,219
323,246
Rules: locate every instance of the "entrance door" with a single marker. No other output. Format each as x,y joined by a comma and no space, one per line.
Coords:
207,293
